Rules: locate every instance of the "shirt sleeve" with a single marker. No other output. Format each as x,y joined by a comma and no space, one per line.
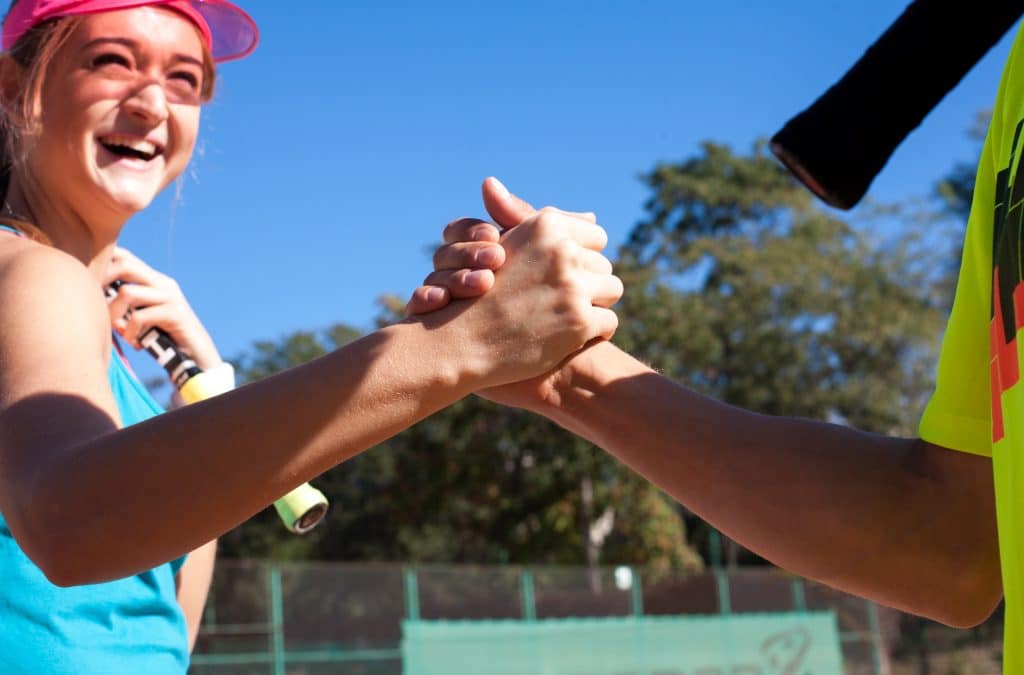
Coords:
959,414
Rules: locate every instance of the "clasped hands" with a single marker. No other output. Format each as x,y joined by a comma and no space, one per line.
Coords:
547,287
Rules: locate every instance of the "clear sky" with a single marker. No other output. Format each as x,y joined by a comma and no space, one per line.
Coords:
331,158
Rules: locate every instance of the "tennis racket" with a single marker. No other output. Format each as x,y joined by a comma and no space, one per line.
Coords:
301,509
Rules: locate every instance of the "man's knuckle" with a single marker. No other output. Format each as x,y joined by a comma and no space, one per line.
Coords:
547,221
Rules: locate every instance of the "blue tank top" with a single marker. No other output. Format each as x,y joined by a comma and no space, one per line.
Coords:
128,626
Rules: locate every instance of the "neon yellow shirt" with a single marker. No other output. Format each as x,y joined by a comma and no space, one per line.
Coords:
978,404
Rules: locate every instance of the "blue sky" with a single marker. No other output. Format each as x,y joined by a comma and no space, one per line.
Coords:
331,158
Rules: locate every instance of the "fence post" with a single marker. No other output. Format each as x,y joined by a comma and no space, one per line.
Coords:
210,611
637,593
799,598
276,620
722,583
876,638
412,594
715,548
529,601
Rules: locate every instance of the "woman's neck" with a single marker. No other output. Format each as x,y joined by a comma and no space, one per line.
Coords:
86,239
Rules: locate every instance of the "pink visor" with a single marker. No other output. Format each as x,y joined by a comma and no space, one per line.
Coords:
228,31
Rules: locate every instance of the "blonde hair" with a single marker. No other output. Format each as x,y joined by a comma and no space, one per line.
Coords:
34,53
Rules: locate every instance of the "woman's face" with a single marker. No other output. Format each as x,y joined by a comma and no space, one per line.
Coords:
118,112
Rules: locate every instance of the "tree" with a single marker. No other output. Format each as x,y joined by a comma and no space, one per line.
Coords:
955,192
956,188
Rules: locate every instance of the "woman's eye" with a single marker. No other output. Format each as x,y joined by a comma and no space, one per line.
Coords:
110,59
188,78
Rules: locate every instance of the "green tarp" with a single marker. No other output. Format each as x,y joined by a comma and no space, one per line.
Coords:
746,644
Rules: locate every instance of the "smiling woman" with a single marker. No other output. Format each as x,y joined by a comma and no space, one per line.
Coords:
102,496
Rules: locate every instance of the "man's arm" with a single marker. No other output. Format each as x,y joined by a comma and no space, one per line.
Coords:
900,521
193,586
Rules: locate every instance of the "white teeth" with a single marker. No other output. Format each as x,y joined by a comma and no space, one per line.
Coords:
137,144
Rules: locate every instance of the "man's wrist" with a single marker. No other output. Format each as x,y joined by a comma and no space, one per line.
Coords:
587,382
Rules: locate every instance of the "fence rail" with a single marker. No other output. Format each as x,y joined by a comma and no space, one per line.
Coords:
312,618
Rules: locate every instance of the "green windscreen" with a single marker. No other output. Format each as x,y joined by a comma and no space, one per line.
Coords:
749,644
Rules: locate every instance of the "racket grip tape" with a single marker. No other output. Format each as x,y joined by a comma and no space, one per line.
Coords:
300,510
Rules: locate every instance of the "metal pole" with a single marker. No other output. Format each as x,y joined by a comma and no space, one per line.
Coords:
722,582
799,598
529,601
637,593
276,621
876,638
412,594
715,548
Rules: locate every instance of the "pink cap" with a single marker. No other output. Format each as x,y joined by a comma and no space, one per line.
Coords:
228,31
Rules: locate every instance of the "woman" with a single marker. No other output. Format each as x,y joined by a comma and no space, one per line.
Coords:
101,102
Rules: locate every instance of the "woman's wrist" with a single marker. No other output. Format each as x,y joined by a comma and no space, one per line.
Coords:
441,354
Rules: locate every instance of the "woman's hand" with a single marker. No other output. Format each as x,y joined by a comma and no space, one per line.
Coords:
147,299
551,298
471,251
463,269
571,245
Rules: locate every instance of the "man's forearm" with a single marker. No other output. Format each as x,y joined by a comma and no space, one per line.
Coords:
897,520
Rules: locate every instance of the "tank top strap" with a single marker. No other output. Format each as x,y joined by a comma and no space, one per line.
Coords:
10,230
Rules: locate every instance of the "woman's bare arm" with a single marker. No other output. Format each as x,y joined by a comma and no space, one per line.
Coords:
88,501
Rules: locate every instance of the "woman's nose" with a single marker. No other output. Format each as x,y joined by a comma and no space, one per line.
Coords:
148,102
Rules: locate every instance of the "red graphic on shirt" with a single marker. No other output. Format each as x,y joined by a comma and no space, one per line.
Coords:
1007,314
1004,366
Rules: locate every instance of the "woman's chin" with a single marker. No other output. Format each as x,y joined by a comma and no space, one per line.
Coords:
129,202
127,192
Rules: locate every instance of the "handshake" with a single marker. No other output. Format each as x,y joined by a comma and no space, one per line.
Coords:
519,301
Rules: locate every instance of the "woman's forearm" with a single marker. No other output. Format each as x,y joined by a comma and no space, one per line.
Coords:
88,501
181,479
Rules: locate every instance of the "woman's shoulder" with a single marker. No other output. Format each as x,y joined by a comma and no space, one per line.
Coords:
49,287
28,268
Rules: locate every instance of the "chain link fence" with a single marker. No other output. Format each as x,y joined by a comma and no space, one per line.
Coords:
346,619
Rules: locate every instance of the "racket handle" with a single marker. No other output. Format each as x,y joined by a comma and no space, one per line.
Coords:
840,143
302,508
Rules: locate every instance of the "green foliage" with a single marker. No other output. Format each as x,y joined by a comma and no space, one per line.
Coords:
955,192
764,301
956,188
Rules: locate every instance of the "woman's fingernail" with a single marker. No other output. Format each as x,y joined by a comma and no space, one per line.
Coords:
487,257
435,295
475,278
